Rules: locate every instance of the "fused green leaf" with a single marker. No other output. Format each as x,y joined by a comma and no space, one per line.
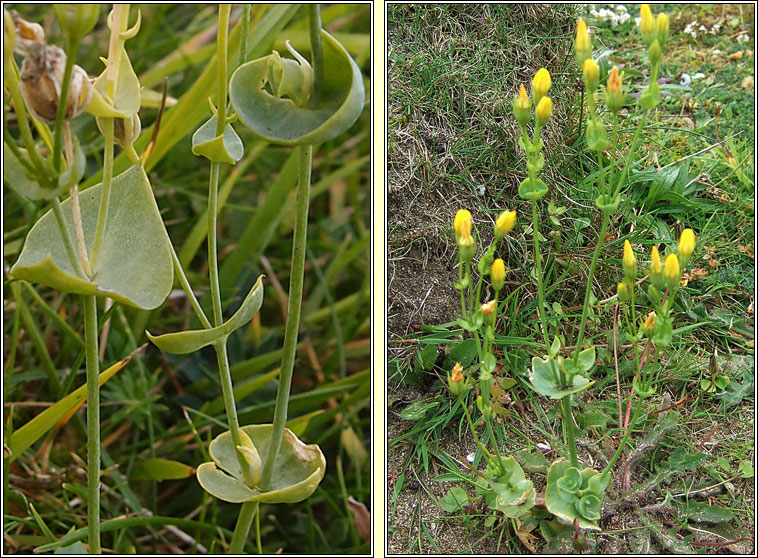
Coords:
134,266
184,342
227,149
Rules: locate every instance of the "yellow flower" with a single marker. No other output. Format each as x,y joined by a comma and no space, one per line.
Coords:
591,73
582,44
462,223
505,223
540,84
543,110
647,24
498,274
662,28
671,270
629,262
686,246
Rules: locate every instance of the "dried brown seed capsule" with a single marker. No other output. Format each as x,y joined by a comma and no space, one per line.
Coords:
41,81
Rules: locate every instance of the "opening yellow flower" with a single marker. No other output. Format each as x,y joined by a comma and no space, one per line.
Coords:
498,274
505,223
686,246
582,44
671,271
462,223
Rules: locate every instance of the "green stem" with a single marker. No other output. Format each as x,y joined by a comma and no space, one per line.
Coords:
317,55
632,148
223,33
463,294
488,422
60,113
635,415
294,303
473,430
242,530
243,34
184,282
568,420
588,289
213,244
540,284
105,193
89,303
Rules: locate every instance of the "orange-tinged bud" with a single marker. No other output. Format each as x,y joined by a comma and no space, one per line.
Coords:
522,107
488,307
629,262
462,223
615,81
543,110
648,327
582,44
505,223
497,273
671,271
614,92
456,383
591,73
686,246
457,373
540,84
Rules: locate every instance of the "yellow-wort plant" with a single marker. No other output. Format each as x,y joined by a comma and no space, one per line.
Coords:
504,478
109,241
573,493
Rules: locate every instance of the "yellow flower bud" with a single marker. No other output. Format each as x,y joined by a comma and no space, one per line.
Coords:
655,53
462,223
505,223
686,246
498,274
466,247
622,292
671,272
522,107
582,44
656,269
540,84
543,110
647,24
629,262
488,307
591,73
662,28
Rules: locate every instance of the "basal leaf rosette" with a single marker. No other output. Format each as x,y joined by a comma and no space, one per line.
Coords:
545,377
514,493
134,265
299,468
275,96
572,494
